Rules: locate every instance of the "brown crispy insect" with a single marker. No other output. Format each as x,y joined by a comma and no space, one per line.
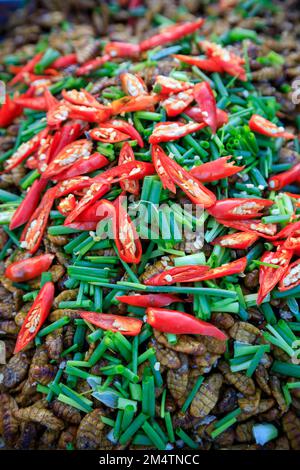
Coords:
166,356
185,344
207,396
251,279
262,378
6,350
89,434
228,400
41,415
40,370
226,439
243,431
157,267
67,437
212,345
277,393
9,327
244,332
54,344
59,240
7,311
249,405
64,312
15,370
56,270
65,295
66,412
242,383
291,426
177,380
222,320
9,423
28,436
48,439
68,336
206,361
282,443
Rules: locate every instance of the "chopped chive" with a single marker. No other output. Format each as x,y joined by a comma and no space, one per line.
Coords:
133,428
153,436
186,439
54,326
192,394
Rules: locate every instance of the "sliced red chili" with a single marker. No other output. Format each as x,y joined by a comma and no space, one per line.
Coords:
43,153
84,165
131,170
195,191
28,205
63,137
129,104
291,278
126,325
167,182
65,61
149,300
263,230
205,98
126,238
33,232
194,112
9,111
175,322
209,65
92,65
227,60
36,316
87,113
268,276
122,49
168,131
108,134
133,85
262,126
215,170
25,149
127,128
73,184
81,98
176,104
22,271
29,67
95,192
68,156
280,180
67,204
58,113
238,240
239,208
37,103
127,155
167,85
171,34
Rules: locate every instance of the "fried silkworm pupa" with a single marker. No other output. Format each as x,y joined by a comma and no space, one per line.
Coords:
177,380
207,397
66,412
9,327
15,370
158,267
166,356
277,393
185,344
291,426
67,437
90,431
242,383
9,424
28,436
39,415
54,344
243,431
49,439
244,332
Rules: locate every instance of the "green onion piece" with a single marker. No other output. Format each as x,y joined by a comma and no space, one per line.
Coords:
264,433
191,396
153,436
169,426
54,326
284,368
186,439
255,361
133,428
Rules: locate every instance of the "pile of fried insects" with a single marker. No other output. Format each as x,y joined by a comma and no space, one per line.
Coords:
142,339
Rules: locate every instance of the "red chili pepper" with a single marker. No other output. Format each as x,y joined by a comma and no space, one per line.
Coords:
131,170
92,65
37,103
127,155
194,112
195,191
205,98
167,85
63,137
209,65
129,104
175,322
22,271
168,131
171,34
133,85
96,212
84,226
238,240
91,114
262,126
108,134
58,113
25,149
84,165
126,238
68,156
33,232
255,225
95,192
215,170
176,104
65,61
280,180
28,205
36,316
149,300
127,128
269,277
67,204
29,67
291,278
227,60
9,111
167,182
239,208
122,49
197,273
73,184
116,323
81,98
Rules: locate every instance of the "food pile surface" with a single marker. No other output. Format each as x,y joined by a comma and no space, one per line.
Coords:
176,131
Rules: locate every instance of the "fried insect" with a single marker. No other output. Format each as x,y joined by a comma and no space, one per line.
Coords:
262,378
40,370
48,439
177,380
67,437
244,332
15,370
185,344
9,424
243,431
242,383
157,267
66,412
39,414
67,312
64,296
166,356
9,327
89,434
54,344
291,426
249,405
207,396
277,393
28,436
222,320
59,240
